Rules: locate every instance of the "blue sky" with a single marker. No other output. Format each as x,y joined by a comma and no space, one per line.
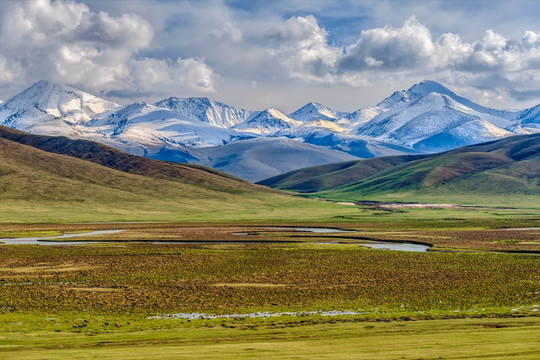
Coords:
257,54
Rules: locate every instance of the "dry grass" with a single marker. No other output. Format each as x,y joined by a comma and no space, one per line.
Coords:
256,285
40,269
94,289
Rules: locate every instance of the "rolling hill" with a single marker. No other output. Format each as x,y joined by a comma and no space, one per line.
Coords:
82,181
504,170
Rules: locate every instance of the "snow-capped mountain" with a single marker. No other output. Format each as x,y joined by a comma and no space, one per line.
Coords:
529,119
431,87
156,126
361,116
315,111
267,122
206,110
52,109
427,117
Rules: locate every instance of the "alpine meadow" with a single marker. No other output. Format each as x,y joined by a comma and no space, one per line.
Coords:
269,179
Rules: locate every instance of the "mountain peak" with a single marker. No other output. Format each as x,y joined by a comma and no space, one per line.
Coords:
315,111
414,92
268,121
273,112
205,110
44,88
174,101
55,101
429,86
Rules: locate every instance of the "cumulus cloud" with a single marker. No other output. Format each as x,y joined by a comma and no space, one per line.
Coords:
144,49
390,48
411,50
67,42
148,74
301,46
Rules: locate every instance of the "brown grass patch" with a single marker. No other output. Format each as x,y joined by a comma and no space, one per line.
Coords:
95,289
255,285
45,268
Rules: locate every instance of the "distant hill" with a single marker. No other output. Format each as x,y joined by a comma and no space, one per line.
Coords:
78,180
504,168
113,158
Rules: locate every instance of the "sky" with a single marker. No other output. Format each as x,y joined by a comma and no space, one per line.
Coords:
257,54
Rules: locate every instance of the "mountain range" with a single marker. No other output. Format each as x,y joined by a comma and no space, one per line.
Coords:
254,145
504,171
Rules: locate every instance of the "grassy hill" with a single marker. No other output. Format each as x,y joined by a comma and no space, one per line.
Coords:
41,186
110,157
503,171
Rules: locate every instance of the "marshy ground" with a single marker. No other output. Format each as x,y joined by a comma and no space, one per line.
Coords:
114,297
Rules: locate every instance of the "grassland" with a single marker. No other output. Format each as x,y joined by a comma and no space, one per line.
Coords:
435,339
169,278
98,300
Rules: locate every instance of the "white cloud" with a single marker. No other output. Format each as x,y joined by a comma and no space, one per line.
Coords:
9,71
148,75
33,23
351,52
64,41
394,48
230,31
301,46
412,48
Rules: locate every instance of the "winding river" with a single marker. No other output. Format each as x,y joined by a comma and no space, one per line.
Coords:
47,239
383,245
374,244
51,240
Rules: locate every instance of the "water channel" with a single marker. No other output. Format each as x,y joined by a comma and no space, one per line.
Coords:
52,240
383,245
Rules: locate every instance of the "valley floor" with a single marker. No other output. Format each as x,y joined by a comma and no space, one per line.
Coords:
119,295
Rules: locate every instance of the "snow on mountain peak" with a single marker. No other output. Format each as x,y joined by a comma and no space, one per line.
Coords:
205,110
428,86
60,101
315,111
268,122
50,108
414,92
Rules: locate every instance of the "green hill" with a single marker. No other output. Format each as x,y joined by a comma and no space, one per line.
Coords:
503,171
41,186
